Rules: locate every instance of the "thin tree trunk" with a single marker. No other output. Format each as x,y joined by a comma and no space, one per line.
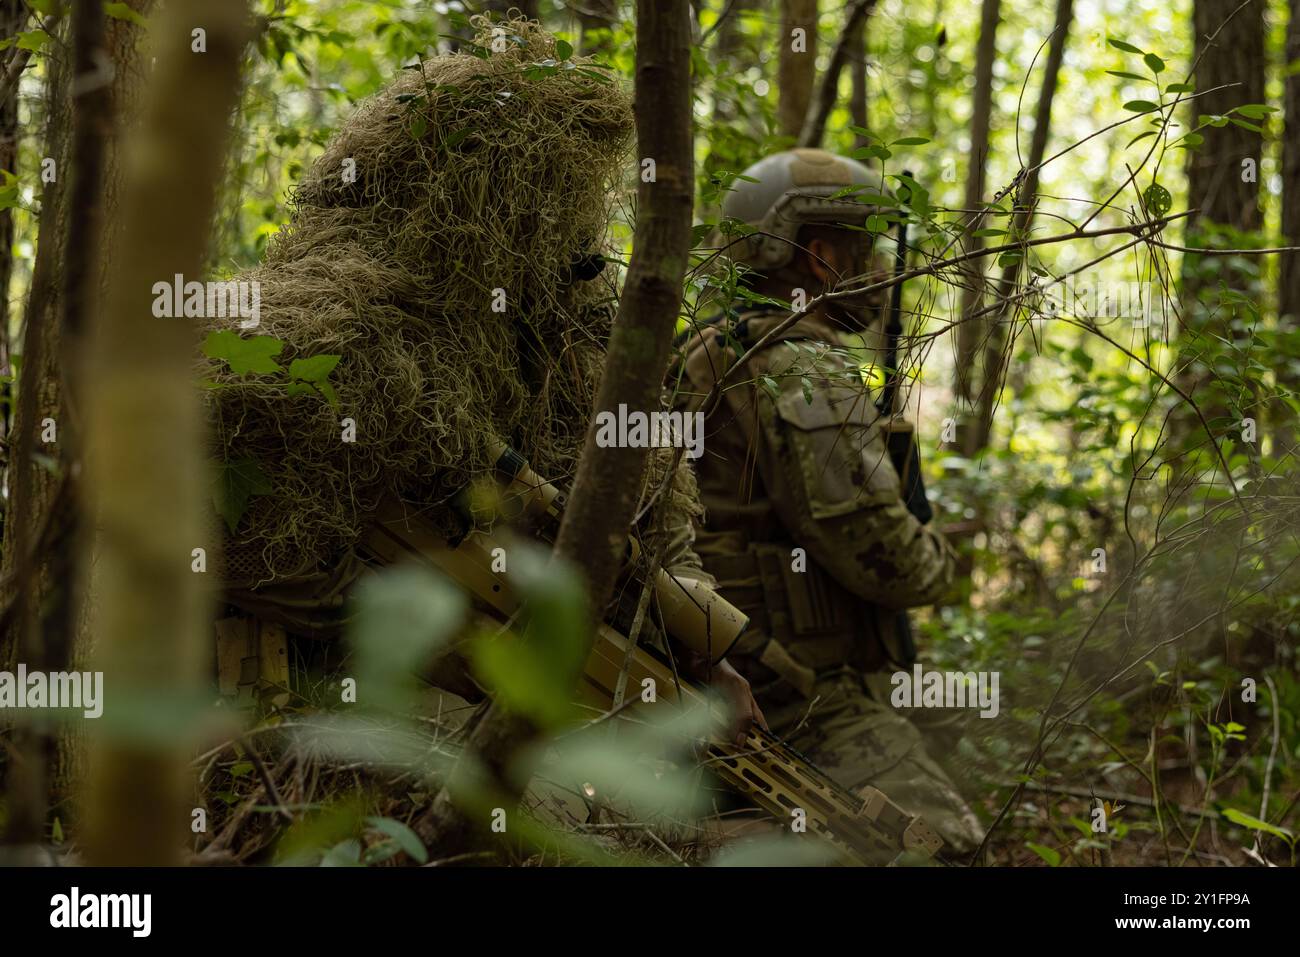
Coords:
994,358
593,534
858,103
31,518
1288,282
13,19
797,64
116,110
145,448
814,127
973,275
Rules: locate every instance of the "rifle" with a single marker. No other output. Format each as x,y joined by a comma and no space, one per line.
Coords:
867,828
903,451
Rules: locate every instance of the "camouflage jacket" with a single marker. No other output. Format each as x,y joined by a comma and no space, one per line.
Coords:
805,526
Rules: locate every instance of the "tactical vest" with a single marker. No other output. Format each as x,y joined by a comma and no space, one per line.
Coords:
802,622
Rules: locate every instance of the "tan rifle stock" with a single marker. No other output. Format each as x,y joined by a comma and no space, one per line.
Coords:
867,828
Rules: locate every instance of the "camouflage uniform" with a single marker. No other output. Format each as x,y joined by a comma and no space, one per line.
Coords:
795,459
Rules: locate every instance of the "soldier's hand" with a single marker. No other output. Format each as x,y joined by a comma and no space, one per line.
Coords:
735,691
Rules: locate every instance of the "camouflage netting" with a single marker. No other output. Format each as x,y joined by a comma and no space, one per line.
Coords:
472,174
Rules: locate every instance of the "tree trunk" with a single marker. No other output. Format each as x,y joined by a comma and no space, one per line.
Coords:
47,648
593,534
814,127
994,358
968,332
145,449
797,64
1223,188
1288,282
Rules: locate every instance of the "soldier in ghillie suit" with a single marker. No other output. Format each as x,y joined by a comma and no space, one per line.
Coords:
439,287
806,526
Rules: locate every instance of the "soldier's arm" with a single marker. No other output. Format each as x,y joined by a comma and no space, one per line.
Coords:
675,523
827,469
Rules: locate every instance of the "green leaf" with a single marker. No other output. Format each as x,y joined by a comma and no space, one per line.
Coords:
1141,106
1140,136
910,141
563,49
1122,45
327,390
1154,63
1181,88
123,11
405,838
403,617
620,769
1050,855
1211,119
1158,199
455,138
775,850
1130,76
1255,824
1255,111
235,483
244,355
344,854
313,369
535,673
34,40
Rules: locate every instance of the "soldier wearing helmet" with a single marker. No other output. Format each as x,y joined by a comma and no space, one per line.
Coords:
806,526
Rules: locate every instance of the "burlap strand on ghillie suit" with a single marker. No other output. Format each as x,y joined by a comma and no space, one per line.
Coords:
474,172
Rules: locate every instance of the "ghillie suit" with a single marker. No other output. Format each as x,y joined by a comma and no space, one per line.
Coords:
442,246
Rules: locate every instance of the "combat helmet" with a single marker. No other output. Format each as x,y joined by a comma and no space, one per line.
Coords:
786,190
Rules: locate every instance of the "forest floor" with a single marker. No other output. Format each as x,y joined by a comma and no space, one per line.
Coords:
329,796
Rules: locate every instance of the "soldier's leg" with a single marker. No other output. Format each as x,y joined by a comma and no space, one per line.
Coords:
859,741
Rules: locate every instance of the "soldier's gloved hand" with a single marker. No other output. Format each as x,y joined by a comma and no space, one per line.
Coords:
731,685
